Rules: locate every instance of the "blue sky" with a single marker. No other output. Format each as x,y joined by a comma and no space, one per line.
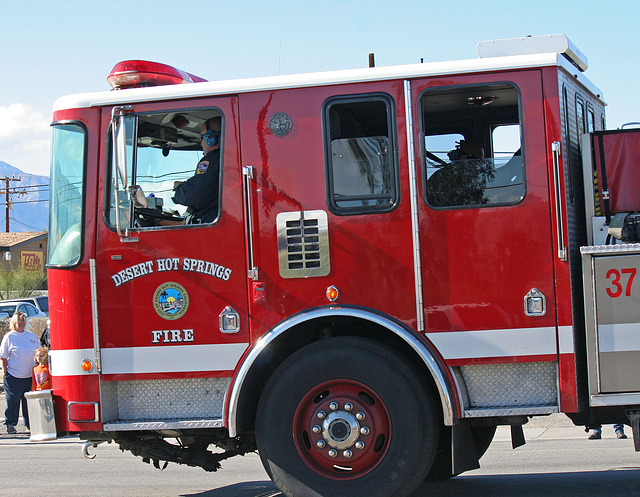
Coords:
52,48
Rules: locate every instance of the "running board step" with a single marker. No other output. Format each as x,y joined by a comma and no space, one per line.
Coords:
162,424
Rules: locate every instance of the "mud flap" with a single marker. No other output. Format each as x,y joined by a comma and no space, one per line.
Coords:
634,417
463,448
517,436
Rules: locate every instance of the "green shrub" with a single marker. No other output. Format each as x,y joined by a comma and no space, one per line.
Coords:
16,282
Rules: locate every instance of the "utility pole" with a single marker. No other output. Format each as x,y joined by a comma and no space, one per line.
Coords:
6,180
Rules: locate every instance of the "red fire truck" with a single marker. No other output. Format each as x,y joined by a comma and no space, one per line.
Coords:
402,259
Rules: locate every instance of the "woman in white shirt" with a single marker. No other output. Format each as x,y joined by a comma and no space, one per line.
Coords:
17,353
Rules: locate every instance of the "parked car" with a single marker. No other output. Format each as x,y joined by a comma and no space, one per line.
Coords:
42,302
37,321
9,307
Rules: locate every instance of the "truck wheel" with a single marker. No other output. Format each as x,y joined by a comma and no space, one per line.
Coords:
345,417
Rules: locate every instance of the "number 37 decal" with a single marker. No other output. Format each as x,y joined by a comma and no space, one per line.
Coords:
620,281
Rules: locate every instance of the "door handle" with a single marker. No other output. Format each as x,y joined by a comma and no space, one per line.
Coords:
248,175
556,151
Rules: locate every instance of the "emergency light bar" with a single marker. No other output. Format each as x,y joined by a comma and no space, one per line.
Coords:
139,73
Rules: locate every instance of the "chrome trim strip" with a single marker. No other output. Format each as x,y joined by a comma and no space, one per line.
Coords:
511,411
172,358
167,424
415,225
514,342
69,362
159,359
565,340
620,399
618,248
445,390
94,314
619,337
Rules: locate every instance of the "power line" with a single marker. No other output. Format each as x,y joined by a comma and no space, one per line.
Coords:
27,175
14,202
30,186
28,226
6,180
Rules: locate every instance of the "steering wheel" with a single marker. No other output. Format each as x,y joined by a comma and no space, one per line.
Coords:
150,217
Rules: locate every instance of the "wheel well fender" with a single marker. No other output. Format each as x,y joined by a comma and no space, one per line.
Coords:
316,324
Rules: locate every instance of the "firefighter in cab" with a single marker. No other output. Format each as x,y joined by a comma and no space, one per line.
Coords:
200,192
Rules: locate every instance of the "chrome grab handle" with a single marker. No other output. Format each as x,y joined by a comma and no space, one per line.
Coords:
562,249
248,175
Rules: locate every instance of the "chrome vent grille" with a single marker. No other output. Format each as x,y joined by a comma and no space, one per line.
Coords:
303,244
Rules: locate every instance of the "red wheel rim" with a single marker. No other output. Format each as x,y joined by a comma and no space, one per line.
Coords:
342,429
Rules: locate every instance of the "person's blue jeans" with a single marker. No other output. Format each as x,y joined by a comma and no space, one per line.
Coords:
616,428
14,390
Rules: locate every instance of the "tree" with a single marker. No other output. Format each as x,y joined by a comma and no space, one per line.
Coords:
16,282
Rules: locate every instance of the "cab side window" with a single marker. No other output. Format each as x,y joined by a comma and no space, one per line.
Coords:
472,148
164,150
360,154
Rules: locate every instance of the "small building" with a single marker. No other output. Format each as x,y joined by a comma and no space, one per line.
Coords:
28,249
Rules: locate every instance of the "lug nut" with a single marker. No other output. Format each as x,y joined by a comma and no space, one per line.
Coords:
316,429
348,406
347,453
333,453
333,406
364,430
321,414
320,444
360,445
360,416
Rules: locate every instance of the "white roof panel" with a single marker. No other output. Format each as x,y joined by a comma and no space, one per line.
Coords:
214,88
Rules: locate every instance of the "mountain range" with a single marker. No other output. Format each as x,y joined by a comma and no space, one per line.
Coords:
28,200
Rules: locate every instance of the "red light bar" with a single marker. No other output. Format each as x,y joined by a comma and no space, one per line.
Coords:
138,73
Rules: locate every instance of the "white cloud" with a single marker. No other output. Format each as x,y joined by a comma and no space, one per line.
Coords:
25,138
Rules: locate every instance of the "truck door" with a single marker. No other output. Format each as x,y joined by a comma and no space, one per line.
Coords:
485,229
171,297
612,322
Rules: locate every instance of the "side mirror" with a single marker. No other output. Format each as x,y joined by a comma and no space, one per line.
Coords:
119,135
119,173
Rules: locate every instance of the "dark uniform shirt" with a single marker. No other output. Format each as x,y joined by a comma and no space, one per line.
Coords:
200,192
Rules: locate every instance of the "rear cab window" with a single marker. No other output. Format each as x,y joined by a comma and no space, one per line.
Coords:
360,154
472,149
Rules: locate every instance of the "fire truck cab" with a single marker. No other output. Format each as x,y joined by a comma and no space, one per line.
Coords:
399,260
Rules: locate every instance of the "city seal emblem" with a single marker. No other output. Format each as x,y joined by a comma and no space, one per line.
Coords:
171,300
280,124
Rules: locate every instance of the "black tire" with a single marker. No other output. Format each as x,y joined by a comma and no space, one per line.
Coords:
390,457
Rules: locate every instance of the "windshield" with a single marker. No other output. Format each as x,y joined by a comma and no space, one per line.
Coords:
7,310
67,168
